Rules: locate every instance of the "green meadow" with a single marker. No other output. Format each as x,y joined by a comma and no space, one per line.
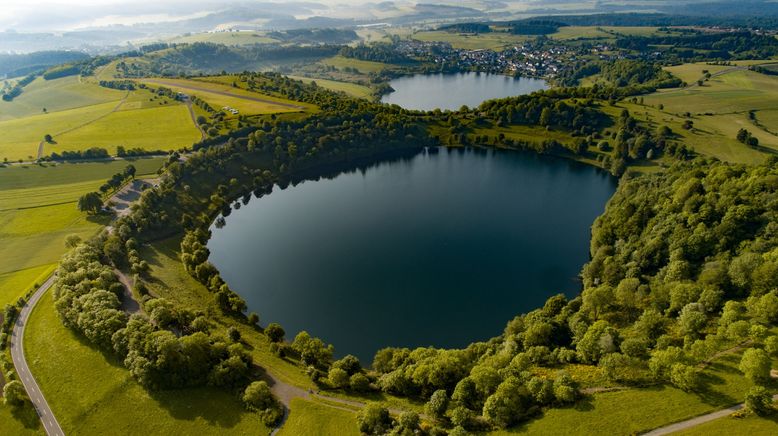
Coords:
57,95
38,211
92,393
363,67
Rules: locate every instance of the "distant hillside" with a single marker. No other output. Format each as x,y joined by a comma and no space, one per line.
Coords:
13,65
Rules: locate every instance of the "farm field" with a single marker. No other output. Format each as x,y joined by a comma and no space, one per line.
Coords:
223,94
492,41
363,67
352,89
718,109
21,136
57,95
85,388
226,38
39,211
165,128
132,119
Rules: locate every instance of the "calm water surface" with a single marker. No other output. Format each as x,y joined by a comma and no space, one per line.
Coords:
451,91
439,249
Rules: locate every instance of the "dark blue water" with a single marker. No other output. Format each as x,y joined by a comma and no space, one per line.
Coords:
439,249
451,91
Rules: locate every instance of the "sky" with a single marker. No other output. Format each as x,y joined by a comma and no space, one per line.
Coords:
52,15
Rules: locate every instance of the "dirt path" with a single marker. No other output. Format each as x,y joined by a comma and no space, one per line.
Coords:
129,304
194,119
225,93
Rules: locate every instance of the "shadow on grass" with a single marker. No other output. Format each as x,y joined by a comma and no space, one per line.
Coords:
215,406
27,416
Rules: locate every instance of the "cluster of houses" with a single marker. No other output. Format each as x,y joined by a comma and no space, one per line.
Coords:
230,109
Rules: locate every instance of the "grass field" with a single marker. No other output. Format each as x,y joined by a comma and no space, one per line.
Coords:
214,89
633,411
56,95
718,110
39,210
92,393
312,418
352,89
21,136
19,422
750,425
226,38
166,127
491,41
364,67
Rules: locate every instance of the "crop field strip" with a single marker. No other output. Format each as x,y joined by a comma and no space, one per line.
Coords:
220,95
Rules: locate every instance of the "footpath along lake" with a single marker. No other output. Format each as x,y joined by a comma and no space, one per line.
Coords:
442,248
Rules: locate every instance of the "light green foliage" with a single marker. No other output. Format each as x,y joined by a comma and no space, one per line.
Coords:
338,378
759,400
599,339
755,364
684,377
14,393
437,405
374,419
508,405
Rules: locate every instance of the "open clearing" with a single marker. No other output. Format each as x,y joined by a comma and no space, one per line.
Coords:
750,425
219,95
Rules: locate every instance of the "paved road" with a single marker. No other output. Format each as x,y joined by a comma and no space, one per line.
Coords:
224,93
689,423
23,370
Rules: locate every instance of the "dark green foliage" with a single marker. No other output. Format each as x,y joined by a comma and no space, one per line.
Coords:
374,419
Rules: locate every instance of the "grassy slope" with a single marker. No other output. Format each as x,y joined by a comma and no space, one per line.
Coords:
92,393
226,38
352,89
19,422
751,425
718,110
246,107
312,418
56,95
21,136
32,239
364,67
166,127
636,410
491,41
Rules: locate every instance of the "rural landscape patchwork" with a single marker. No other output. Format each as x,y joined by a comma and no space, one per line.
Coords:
412,217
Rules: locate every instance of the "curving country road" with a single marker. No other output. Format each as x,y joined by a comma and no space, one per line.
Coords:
48,419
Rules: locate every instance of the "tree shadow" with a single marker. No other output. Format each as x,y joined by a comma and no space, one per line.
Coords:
217,407
26,415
